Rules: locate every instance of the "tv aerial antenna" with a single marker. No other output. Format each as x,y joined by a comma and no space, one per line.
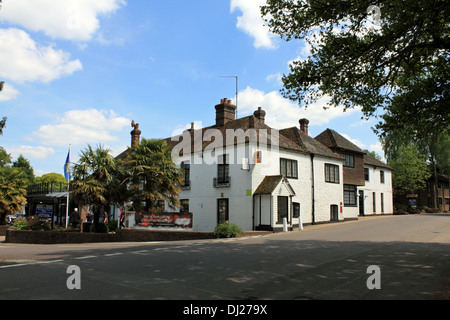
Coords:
237,90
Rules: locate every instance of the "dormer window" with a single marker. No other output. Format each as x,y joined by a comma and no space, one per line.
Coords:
349,161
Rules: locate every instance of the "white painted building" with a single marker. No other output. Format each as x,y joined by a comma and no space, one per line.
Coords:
376,195
244,172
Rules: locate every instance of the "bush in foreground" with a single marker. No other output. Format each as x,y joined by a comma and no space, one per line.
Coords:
32,223
227,230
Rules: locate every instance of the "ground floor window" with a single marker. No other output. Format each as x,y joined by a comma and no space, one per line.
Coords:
296,209
184,205
349,195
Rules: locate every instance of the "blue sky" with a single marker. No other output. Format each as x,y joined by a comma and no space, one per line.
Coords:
79,71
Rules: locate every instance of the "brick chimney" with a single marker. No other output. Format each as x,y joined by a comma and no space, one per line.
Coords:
304,125
260,114
135,135
225,112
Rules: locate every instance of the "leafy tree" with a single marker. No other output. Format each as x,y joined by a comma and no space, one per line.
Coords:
3,121
5,158
51,178
2,125
398,61
23,164
152,174
91,177
373,154
12,191
410,170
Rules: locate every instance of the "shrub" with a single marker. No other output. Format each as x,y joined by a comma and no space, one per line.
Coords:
227,230
32,223
112,225
19,225
101,228
38,224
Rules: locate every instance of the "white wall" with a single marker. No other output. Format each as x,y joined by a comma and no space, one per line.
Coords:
374,185
203,196
327,194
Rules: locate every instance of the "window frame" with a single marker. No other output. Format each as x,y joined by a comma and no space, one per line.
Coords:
223,169
186,167
349,160
350,196
366,174
332,178
289,168
183,205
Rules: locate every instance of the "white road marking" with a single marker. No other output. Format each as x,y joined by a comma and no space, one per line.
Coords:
86,257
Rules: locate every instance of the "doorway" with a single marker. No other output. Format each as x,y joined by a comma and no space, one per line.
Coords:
282,209
361,203
222,211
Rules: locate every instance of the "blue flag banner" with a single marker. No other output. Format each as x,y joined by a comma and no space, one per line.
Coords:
67,167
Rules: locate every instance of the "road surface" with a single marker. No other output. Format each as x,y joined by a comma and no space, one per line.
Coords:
412,254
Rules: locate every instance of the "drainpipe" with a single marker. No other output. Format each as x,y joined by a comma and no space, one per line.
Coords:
312,191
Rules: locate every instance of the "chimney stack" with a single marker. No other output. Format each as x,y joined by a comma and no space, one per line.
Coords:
260,115
225,112
304,125
135,135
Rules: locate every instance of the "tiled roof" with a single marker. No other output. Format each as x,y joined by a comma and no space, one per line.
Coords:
262,132
308,143
334,140
369,160
269,183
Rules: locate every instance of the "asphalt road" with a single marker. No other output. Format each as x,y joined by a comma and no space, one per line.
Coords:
321,262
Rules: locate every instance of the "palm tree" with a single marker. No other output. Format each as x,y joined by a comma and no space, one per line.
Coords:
91,178
152,174
12,191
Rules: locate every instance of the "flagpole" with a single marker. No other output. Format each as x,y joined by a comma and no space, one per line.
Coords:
68,193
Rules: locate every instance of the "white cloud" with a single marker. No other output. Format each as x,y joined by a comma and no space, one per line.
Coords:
31,152
79,127
69,19
275,78
22,60
282,113
252,23
354,141
8,93
179,129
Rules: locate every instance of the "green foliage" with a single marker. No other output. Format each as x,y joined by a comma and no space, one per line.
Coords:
12,191
100,228
51,178
152,174
24,165
112,225
92,176
5,158
32,223
227,230
410,170
398,62
20,225
2,125
38,224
